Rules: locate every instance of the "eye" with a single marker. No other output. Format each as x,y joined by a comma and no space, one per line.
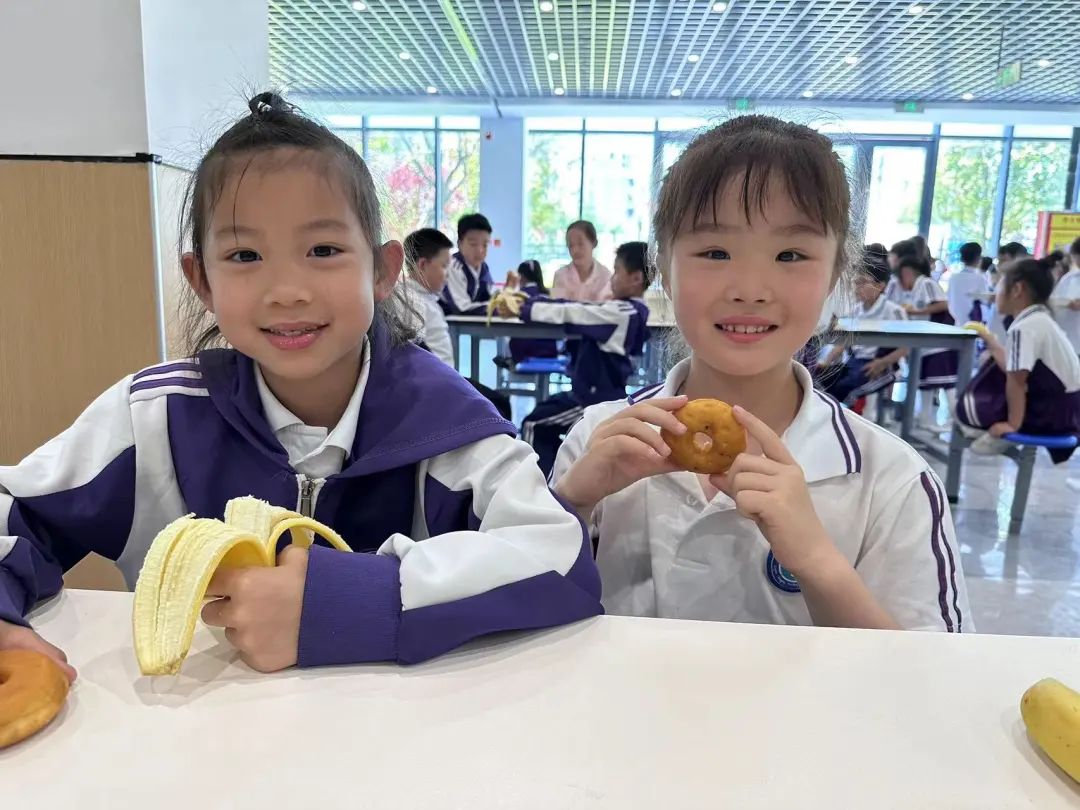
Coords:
243,256
324,251
715,254
789,256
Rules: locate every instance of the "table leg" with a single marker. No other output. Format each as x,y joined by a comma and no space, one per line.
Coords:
956,441
914,361
455,344
474,357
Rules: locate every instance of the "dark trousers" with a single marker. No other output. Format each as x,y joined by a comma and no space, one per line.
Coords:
546,426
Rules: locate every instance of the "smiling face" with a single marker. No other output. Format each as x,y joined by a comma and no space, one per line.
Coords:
748,293
287,271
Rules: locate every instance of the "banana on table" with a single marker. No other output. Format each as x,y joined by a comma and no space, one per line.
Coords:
1051,712
182,560
511,299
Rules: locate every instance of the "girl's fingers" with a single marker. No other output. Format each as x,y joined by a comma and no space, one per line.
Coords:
754,482
771,444
748,462
654,415
638,431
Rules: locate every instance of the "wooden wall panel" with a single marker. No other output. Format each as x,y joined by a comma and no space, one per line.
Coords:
171,182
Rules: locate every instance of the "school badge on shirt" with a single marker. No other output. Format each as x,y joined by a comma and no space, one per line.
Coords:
779,576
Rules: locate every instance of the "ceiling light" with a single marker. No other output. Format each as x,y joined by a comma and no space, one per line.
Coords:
553,57
358,6
693,57
404,57
547,6
1045,62
916,9
558,91
968,97
719,6
807,93
851,60
432,89
676,92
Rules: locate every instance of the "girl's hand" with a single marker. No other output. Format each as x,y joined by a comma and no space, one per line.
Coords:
623,449
260,609
875,368
999,429
17,637
512,280
771,490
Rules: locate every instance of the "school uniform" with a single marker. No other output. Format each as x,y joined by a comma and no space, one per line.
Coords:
939,366
893,290
434,334
522,349
963,284
1068,289
458,533
850,382
611,333
467,289
1036,344
569,285
663,550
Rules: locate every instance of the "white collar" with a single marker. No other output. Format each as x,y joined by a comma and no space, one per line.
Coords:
820,437
419,289
875,308
344,433
1028,311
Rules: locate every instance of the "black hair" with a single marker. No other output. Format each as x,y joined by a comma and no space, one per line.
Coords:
272,124
876,247
904,248
585,227
986,263
1035,274
917,263
1074,248
970,253
635,256
531,272
424,244
1013,250
472,222
875,266
921,245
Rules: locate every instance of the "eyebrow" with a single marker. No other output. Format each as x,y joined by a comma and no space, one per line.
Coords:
794,229
315,225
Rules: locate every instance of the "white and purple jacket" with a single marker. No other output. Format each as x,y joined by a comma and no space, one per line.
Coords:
467,538
466,292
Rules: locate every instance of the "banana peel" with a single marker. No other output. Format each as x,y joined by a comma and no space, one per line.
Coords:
506,300
183,559
983,331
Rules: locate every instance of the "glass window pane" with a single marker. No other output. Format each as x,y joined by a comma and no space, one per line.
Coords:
553,123
888,127
669,153
345,121
620,124
1038,173
460,176
1042,131
403,165
895,199
552,196
459,122
974,130
848,156
401,121
618,179
964,191
678,124
353,137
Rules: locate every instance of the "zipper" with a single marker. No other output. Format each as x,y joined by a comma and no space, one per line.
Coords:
307,490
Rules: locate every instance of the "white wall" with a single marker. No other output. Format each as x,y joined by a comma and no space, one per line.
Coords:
73,78
204,59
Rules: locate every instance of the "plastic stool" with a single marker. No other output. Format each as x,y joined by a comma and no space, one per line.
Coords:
541,368
1023,454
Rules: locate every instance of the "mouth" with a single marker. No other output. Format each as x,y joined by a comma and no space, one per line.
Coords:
293,335
746,330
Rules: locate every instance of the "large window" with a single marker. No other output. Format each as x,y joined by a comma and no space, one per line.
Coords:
426,170
1038,173
964,191
618,189
553,201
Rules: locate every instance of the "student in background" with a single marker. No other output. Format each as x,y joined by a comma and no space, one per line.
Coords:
427,255
868,369
903,249
964,283
924,300
1066,298
529,279
468,281
584,278
1031,382
1011,251
937,267
610,334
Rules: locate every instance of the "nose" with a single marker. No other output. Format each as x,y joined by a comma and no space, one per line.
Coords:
287,286
748,287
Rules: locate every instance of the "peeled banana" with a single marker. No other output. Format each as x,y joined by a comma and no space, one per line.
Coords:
510,300
1051,712
981,328
182,560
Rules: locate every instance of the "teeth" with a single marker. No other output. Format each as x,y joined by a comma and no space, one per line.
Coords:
293,332
742,329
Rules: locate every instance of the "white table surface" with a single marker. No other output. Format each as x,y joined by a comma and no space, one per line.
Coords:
609,713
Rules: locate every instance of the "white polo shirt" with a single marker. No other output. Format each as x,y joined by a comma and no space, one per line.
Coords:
314,451
1033,336
881,310
433,328
665,551
963,284
1068,289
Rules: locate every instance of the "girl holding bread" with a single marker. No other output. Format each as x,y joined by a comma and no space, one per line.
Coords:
824,518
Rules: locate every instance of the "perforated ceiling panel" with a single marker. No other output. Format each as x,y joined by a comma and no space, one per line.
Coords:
840,50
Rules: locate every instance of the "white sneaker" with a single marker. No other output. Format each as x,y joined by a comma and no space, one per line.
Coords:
987,445
967,430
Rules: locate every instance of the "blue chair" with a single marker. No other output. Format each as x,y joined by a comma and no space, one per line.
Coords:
541,369
1023,453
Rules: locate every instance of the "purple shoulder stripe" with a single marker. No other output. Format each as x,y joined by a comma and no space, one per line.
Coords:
852,455
167,368
645,393
168,382
939,557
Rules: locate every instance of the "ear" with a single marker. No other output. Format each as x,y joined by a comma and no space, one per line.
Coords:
393,256
195,274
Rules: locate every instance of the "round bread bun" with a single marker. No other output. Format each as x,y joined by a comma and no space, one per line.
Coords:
712,439
32,691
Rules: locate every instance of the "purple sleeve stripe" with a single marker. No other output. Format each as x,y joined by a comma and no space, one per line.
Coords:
949,552
12,598
167,368
645,393
168,382
943,586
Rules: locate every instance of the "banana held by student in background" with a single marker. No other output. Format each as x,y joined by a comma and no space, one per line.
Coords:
182,561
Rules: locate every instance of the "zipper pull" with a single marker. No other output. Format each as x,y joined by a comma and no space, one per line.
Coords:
306,489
